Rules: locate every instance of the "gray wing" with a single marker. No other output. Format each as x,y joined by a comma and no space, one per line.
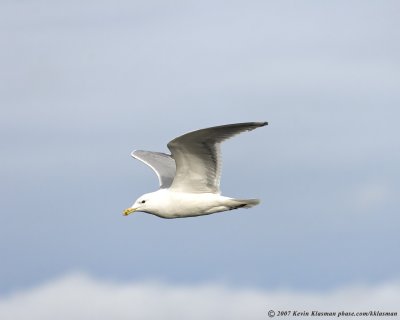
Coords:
162,164
197,156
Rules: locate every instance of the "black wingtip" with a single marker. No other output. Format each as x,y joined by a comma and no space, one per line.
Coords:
262,124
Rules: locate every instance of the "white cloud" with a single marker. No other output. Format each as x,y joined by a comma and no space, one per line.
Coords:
81,297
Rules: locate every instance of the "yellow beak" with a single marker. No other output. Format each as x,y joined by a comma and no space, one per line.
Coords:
128,211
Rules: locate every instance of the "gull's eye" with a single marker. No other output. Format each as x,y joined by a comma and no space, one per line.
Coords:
143,201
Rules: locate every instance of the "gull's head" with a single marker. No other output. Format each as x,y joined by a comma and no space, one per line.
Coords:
143,203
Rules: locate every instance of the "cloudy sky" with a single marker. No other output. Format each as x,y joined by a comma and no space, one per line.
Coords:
83,83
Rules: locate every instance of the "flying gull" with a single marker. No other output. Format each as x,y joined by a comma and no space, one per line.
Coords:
190,177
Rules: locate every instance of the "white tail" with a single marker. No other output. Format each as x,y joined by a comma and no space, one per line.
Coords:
246,203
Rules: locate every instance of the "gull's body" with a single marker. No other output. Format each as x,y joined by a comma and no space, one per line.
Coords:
175,204
190,177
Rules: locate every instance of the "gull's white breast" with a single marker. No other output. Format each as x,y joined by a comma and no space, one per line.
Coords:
173,204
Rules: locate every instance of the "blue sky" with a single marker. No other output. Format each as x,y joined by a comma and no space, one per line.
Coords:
83,83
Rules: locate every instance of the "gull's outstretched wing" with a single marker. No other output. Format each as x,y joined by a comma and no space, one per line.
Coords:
162,164
197,156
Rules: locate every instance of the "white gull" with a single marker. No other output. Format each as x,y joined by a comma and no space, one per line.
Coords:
190,177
